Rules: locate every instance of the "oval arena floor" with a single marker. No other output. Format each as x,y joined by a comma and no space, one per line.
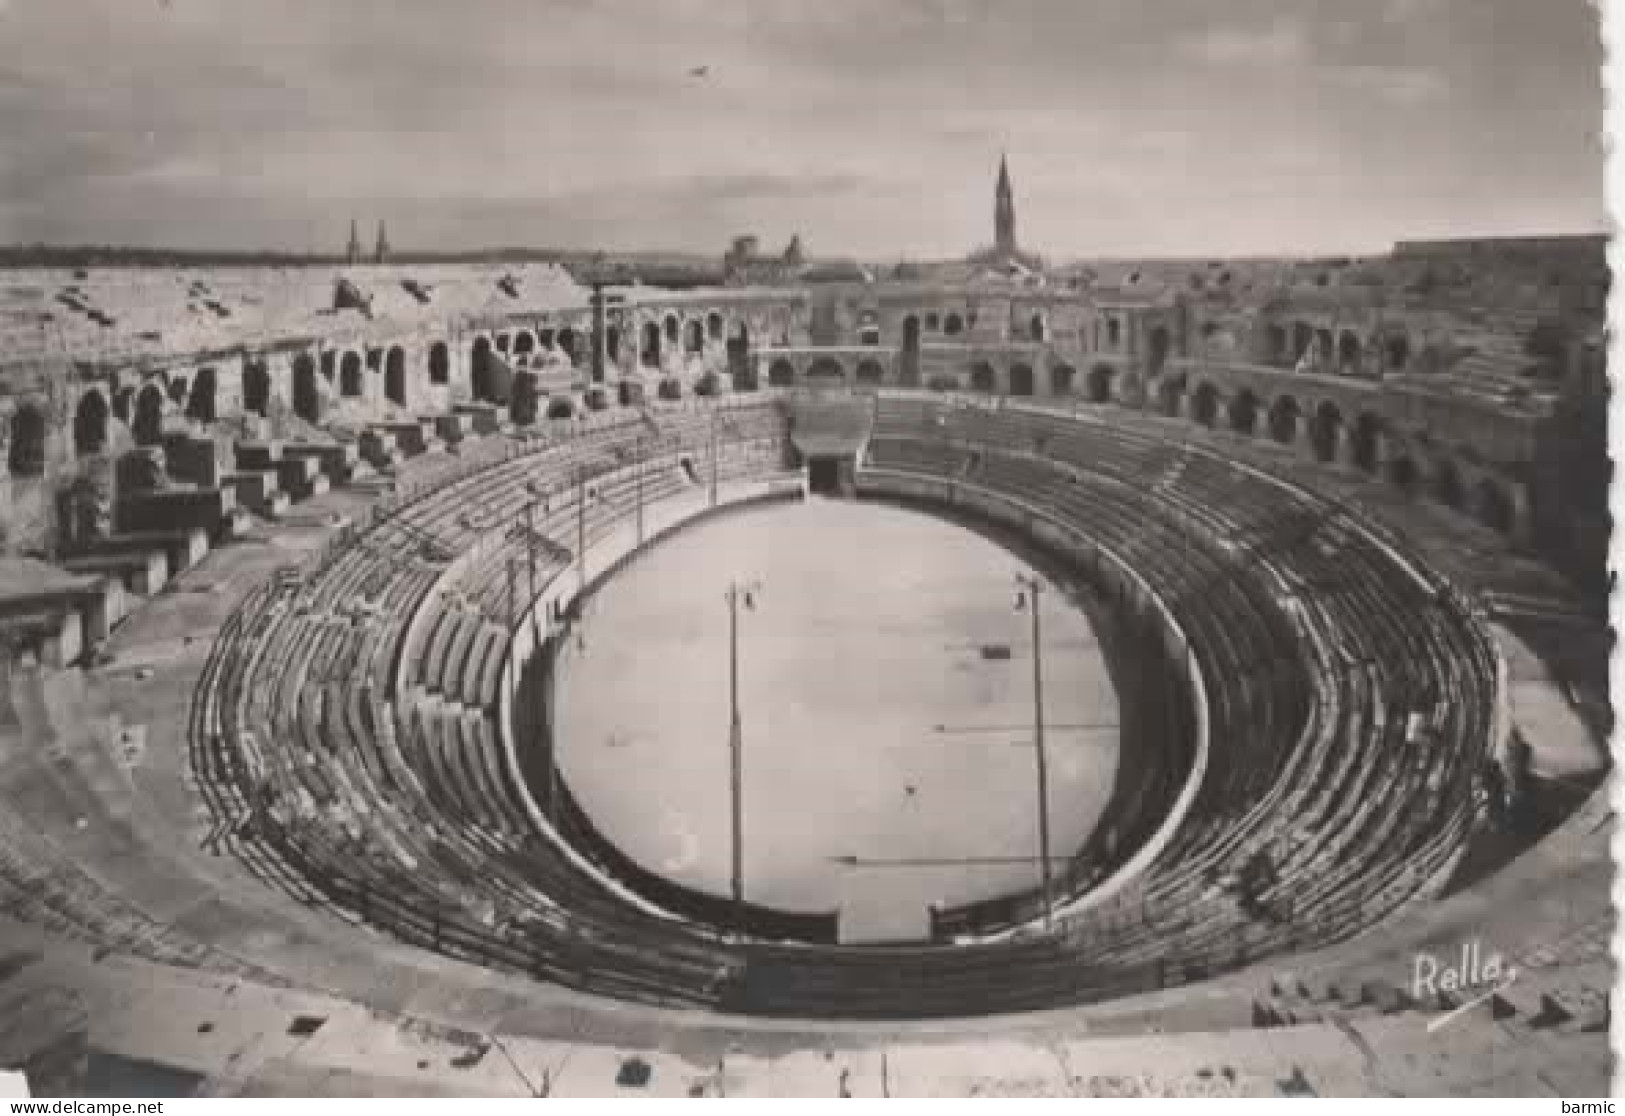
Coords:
886,693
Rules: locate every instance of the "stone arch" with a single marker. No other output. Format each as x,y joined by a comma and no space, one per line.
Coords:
650,353
1284,417
351,385
1100,383
439,363
124,403
1114,333
826,369
201,404
148,427
953,325
1494,506
330,362
1447,484
1325,348
1396,351
870,372
256,388
25,457
1303,336
178,389
1170,395
566,342
1157,344
524,343
479,367
1365,441
1275,342
546,338
1036,328
1403,475
713,326
307,397
1021,379
504,342
395,374
560,407
673,328
983,378
1324,428
781,373
1062,379
739,365
694,339
1205,404
90,424
1348,353
1244,412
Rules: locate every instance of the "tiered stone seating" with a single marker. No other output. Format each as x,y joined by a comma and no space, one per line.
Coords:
408,816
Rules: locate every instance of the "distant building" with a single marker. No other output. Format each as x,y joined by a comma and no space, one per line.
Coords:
352,253
380,253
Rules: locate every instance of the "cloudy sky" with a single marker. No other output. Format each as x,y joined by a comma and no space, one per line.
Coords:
873,127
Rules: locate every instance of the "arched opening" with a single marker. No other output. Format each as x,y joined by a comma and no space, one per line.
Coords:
395,374
1158,344
739,365
695,341
307,397
1114,333
200,405
1171,395
524,343
26,457
375,360
351,385
983,378
911,334
439,363
1365,439
596,399
90,424
1348,353
547,339
479,368
781,373
123,401
1325,348
504,343
708,385
953,325
1447,487
826,371
870,372
1127,389
1100,383
1397,351
612,344
1324,428
670,389
566,342
256,388
650,354
523,401
148,427
1402,475
1036,329
560,407
1205,404
330,363
1021,379
629,393
1061,379
1244,412
1303,338
178,390
1275,351
1494,507
1283,420
713,326
933,321
672,328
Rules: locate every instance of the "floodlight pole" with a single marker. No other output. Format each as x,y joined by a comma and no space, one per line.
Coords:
1034,589
736,748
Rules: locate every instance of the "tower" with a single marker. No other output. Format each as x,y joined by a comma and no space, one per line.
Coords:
352,253
1004,212
380,254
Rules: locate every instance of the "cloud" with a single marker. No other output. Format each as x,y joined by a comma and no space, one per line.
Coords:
1284,41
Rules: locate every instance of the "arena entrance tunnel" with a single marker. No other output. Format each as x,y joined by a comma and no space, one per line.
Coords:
830,475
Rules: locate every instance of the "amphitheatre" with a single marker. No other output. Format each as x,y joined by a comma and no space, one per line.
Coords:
366,710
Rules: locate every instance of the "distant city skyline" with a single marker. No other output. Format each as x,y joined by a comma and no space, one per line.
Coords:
873,128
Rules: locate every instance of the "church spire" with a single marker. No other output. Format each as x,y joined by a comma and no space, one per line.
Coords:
380,253
352,253
1004,211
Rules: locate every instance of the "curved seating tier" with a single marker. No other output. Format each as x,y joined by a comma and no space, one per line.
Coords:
1321,643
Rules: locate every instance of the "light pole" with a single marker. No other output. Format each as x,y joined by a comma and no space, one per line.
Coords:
737,592
1029,593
